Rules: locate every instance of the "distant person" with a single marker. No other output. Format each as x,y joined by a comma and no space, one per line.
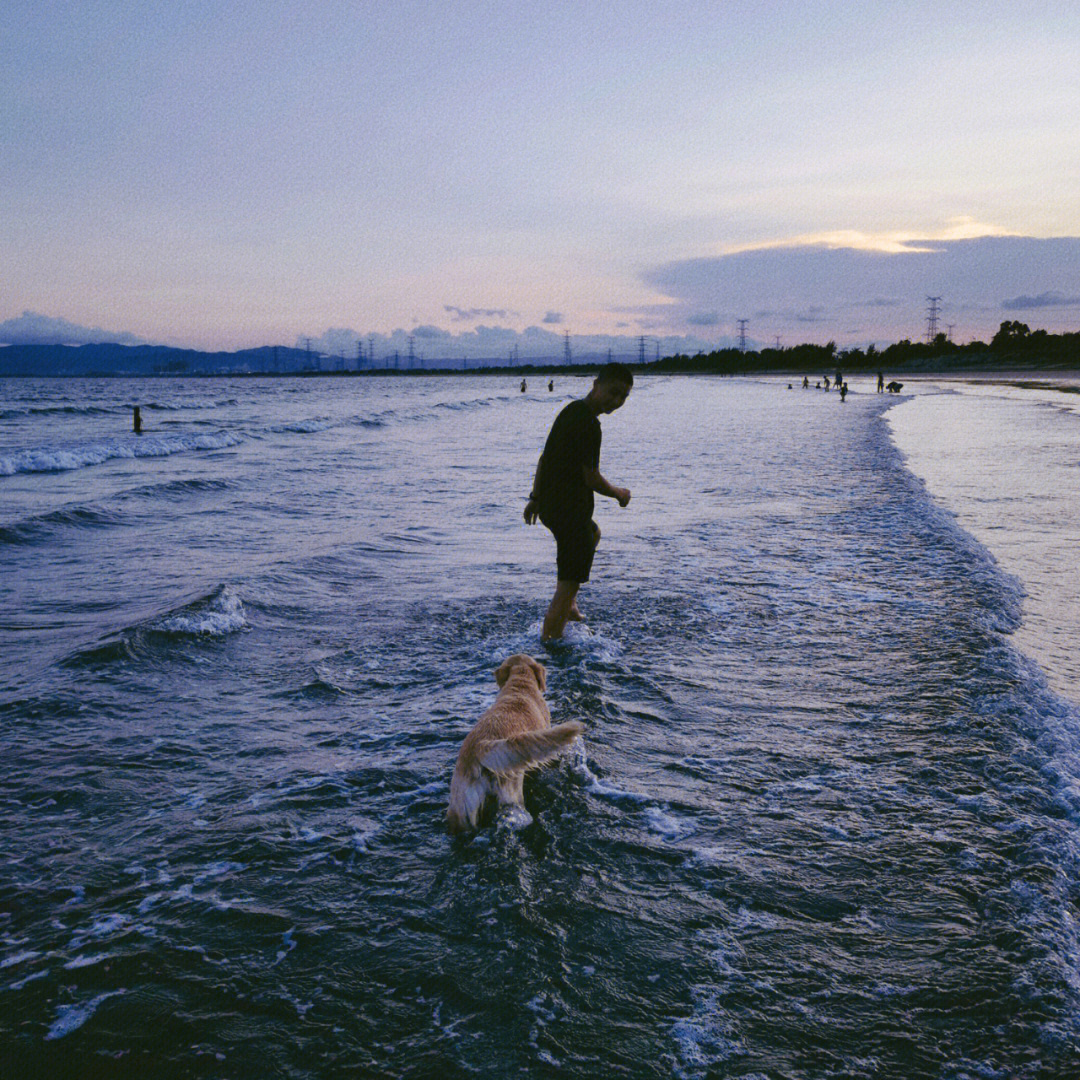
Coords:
551,385
806,382
843,391
825,380
137,420
880,382
524,386
895,387
562,495
839,380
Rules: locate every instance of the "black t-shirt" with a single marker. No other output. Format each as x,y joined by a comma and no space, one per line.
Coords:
573,443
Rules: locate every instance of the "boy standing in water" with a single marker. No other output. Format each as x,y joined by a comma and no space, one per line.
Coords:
562,494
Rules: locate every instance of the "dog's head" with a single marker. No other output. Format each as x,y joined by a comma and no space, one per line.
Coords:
502,672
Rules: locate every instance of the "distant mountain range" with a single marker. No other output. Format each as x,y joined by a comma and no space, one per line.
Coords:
108,359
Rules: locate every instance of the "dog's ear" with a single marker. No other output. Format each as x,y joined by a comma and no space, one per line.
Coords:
540,672
502,672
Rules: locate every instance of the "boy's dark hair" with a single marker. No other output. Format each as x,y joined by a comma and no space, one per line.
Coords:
616,372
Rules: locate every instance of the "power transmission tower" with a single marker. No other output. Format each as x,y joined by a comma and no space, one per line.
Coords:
371,349
742,334
658,350
568,359
777,342
641,349
412,354
932,313
949,328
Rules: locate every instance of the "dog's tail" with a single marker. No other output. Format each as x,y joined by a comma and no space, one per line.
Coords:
530,748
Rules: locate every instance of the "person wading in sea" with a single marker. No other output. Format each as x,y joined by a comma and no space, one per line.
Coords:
562,495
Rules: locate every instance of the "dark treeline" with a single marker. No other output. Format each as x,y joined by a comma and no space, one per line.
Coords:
1014,346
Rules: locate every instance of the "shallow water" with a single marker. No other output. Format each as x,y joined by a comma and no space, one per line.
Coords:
823,822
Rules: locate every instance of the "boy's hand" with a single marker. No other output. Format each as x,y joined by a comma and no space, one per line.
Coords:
531,515
623,495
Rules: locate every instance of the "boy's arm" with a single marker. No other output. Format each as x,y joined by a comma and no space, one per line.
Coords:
530,514
595,481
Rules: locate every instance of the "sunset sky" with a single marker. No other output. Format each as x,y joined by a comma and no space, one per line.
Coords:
229,174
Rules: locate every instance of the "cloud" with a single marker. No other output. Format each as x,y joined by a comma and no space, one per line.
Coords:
30,328
821,285
430,332
703,318
471,314
553,317
1043,300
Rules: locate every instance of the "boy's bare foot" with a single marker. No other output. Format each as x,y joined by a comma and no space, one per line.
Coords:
575,614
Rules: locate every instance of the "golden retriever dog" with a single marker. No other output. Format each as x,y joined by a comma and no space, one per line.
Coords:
513,736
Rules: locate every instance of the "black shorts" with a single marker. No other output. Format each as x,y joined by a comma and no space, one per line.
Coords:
575,545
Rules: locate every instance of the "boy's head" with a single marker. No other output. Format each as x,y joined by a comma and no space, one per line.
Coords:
612,386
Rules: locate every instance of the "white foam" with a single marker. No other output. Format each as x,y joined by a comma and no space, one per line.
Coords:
87,961
222,614
216,870
289,942
667,826
18,958
514,818
70,1018
20,983
106,926
579,766
80,456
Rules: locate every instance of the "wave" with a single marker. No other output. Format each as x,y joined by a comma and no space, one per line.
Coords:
70,410
44,459
67,457
29,529
214,616
112,410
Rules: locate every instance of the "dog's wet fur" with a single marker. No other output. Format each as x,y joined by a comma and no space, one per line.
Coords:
512,737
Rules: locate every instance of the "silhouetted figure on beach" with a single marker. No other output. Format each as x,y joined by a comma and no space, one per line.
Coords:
880,382
562,495
843,391
137,420
825,380
839,380
895,387
524,386
806,382
551,385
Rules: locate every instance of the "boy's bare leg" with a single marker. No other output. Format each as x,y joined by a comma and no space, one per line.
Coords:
558,614
575,611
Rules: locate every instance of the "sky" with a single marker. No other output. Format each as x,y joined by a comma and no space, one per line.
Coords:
485,175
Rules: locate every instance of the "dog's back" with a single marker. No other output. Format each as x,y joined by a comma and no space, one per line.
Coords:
513,736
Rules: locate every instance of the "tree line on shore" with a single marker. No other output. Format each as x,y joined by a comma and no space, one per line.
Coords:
1014,345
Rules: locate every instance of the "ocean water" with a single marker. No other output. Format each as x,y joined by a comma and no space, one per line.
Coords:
823,823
